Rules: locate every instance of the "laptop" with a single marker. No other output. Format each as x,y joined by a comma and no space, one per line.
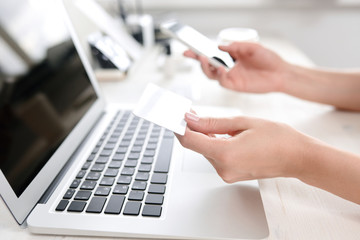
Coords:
73,165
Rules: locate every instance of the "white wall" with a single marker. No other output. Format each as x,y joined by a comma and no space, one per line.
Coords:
327,31
329,37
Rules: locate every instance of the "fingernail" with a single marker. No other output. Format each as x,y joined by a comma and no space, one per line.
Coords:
192,117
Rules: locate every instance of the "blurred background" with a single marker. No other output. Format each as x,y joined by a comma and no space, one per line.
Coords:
327,31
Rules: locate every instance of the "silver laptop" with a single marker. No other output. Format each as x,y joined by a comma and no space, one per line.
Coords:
70,165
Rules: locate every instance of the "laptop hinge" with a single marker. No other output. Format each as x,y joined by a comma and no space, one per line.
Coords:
45,197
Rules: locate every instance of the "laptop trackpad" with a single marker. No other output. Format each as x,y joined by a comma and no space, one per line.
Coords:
195,162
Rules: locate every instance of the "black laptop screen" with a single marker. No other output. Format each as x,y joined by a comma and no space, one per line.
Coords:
38,109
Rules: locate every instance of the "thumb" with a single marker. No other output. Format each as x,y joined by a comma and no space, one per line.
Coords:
240,49
208,125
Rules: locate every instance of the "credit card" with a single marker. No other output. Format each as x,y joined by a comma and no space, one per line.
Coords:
164,108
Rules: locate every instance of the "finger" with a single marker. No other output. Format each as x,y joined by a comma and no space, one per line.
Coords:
240,49
223,74
190,54
201,143
203,60
193,111
218,125
209,70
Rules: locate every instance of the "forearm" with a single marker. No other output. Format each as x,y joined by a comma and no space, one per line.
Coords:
331,169
340,89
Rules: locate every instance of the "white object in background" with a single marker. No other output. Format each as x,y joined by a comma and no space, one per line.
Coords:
115,28
230,35
111,50
163,108
145,24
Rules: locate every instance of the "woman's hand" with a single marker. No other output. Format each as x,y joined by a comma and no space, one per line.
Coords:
256,69
257,148
254,148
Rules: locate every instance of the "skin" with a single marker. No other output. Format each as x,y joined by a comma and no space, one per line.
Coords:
259,70
285,152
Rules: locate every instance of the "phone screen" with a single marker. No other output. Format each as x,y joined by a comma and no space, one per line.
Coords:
200,44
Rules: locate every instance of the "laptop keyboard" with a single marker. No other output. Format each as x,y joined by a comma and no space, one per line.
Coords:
126,173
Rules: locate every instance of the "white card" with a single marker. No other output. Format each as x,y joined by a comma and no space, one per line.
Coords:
164,108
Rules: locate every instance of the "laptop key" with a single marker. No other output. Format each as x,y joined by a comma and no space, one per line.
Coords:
91,157
149,153
75,183
136,195
98,167
76,206
155,134
136,149
96,205
139,185
122,150
121,189
115,164
62,205
153,140
147,160
81,174
69,193
112,140
86,166
109,146
131,163
139,142
124,180
141,137
144,168
107,181
82,195
157,188
115,204
96,148
160,178
111,172
156,128
88,185
134,156
118,157
132,208
163,161
128,137
168,134
106,152
124,143
152,210
102,191
156,199
142,176
127,171
151,146
102,159
115,135
93,176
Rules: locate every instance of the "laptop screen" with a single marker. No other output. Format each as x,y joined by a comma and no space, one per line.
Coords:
39,105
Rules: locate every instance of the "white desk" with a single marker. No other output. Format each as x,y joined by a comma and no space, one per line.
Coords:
294,210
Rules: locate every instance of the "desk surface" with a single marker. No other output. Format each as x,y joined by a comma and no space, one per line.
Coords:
294,210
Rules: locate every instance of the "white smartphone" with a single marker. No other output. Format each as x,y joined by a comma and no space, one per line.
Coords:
197,42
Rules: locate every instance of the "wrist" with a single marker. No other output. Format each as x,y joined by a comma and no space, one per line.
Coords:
303,157
289,78
313,156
